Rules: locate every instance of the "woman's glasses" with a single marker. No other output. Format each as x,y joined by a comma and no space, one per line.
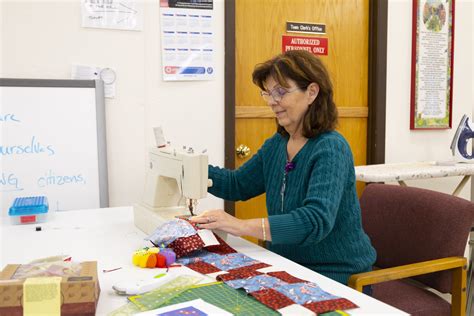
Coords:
276,94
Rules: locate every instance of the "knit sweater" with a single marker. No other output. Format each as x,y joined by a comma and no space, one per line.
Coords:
316,221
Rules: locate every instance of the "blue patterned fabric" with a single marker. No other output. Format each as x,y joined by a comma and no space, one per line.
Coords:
170,231
231,261
303,293
256,283
199,255
222,262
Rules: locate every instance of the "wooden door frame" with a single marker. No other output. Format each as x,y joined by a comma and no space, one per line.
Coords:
378,13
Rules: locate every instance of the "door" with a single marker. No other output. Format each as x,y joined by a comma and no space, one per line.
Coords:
259,26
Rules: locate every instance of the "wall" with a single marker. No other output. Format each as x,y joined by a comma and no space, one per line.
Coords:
402,144
41,39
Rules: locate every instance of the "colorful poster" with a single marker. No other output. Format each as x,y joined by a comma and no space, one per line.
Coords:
187,39
432,59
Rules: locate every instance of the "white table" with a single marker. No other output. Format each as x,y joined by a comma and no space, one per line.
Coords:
110,237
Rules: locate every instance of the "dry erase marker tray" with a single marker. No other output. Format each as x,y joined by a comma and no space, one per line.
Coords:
28,210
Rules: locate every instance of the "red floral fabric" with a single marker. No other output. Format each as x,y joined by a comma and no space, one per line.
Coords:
222,249
285,276
185,245
272,298
243,274
330,305
203,267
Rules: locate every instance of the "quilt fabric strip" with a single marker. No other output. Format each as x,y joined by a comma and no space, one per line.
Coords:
274,289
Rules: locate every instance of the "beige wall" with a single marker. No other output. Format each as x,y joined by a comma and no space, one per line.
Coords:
41,39
402,144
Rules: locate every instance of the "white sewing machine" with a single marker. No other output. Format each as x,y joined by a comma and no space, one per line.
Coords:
175,180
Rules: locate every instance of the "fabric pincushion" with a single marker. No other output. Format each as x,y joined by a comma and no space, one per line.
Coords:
153,257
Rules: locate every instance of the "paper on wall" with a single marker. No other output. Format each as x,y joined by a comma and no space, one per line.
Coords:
113,14
187,40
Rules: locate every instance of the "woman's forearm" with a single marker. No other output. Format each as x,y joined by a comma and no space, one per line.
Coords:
256,227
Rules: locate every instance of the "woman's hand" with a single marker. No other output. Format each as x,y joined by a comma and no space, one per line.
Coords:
219,219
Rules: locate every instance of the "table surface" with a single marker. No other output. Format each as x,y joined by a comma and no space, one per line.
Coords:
411,171
109,237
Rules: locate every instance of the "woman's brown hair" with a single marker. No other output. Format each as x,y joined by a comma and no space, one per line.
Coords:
303,68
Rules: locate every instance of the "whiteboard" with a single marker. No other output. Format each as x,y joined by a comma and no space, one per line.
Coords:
53,143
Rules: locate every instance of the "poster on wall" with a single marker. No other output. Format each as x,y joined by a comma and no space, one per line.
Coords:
187,39
432,64
113,14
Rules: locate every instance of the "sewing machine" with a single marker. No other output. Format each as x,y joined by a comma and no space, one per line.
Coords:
175,180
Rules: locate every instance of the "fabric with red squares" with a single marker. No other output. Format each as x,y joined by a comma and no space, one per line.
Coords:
203,267
271,298
222,249
330,305
243,274
285,276
256,266
185,245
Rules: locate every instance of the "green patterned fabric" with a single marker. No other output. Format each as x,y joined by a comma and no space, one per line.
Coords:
317,222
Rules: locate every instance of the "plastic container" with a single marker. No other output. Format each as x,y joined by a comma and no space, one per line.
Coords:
29,210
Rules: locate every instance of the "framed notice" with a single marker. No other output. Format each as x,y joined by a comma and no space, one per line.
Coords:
432,64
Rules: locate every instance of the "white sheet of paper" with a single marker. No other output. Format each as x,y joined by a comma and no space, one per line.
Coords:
198,304
113,14
208,237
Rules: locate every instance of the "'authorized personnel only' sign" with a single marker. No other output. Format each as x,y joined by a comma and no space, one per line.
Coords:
315,45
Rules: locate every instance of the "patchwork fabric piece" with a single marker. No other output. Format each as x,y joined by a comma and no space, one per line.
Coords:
227,262
285,276
203,267
232,261
272,298
276,290
302,293
222,249
244,274
331,305
257,283
185,245
197,256
181,235
170,231
256,266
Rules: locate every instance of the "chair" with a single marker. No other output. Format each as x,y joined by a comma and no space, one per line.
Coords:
420,237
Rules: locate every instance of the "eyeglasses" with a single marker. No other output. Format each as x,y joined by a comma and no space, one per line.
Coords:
276,94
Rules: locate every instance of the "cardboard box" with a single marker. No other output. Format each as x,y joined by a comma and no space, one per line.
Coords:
79,295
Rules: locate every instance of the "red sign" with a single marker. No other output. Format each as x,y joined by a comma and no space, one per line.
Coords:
315,45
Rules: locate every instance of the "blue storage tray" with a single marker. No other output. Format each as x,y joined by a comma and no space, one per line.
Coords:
30,205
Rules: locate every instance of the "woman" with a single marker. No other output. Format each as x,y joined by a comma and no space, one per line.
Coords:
307,172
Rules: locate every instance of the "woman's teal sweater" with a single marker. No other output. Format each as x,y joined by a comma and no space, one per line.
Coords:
319,225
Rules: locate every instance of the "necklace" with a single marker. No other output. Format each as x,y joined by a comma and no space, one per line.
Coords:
288,167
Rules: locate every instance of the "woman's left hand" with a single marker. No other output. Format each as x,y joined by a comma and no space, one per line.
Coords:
219,219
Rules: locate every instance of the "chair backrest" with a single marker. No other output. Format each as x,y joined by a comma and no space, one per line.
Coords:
408,225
